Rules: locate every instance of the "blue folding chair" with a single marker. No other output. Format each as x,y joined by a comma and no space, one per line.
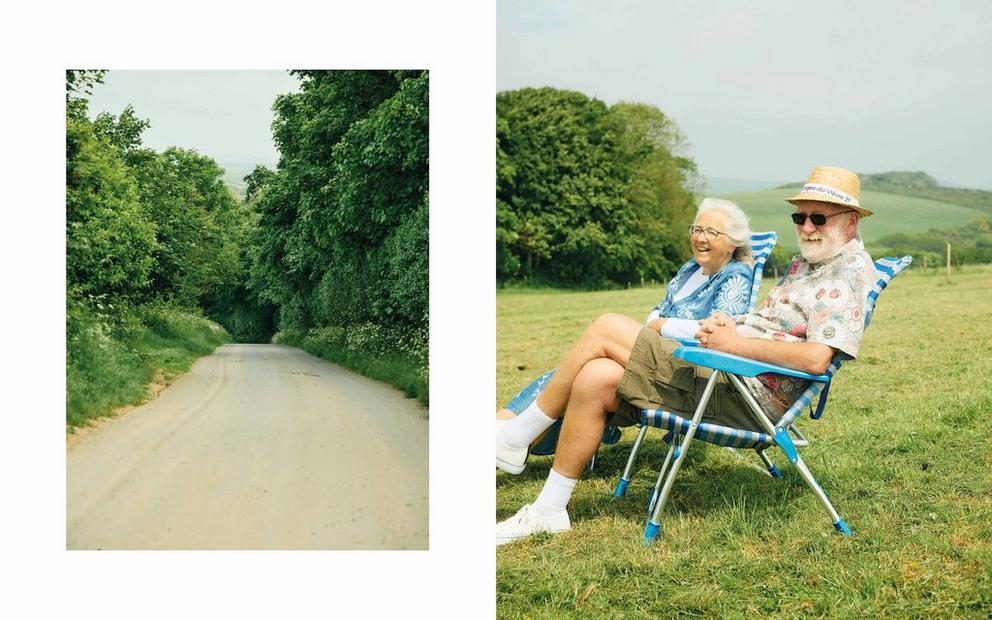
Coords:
761,248
735,367
762,244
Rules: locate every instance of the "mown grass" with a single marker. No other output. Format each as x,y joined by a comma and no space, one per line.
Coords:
111,360
395,368
903,450
892,214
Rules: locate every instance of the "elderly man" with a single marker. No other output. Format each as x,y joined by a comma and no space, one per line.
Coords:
617,367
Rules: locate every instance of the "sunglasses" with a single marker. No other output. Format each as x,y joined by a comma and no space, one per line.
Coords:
818,219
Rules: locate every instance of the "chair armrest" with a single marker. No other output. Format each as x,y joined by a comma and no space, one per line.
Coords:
688,342
737,365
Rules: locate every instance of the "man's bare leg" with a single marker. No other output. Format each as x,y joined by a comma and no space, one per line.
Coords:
610,337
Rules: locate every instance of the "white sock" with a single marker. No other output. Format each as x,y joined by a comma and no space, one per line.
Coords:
555,494
523,429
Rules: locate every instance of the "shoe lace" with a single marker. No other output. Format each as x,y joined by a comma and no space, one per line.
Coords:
525,514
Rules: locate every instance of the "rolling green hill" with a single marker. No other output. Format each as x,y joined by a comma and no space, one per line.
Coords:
893,214
921,185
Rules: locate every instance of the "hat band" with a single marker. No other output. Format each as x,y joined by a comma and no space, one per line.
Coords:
836,194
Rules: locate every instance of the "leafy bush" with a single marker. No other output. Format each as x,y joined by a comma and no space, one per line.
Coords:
397,356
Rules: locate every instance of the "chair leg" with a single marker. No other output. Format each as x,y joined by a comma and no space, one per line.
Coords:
653,496
839,524
625,478
773,470
784,441
654,523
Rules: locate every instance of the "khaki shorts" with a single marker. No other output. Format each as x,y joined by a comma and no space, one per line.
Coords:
654,379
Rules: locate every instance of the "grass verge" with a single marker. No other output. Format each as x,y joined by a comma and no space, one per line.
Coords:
112,358
903,449
399,369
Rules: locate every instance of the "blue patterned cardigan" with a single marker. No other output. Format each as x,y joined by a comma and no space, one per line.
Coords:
728,291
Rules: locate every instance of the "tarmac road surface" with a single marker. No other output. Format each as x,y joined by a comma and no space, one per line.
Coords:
257,447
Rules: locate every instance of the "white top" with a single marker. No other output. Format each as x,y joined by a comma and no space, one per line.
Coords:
682,328
697,279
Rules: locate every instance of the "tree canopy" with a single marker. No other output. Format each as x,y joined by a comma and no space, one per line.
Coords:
335,240
342,236
587,194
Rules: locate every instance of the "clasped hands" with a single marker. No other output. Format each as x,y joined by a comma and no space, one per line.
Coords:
717,332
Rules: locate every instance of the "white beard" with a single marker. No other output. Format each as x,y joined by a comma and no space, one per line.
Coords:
821,244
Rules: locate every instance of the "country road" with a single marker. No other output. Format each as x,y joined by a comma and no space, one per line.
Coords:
257,447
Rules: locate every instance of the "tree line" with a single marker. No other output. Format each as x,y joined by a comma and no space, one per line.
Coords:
588,194
330,249
970,244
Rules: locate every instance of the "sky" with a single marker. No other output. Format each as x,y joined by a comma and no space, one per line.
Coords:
226,115
766,90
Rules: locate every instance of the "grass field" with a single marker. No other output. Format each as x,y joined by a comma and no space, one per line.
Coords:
904,451
893,213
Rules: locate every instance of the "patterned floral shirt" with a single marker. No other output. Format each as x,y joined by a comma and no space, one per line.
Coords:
814,302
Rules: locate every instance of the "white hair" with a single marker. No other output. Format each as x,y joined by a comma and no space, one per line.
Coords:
738,224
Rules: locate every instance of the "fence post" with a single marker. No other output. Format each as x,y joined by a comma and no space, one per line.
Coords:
948,261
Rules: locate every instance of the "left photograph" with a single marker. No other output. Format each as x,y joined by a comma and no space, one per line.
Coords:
247,309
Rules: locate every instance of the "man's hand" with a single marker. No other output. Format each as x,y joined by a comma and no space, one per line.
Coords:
718,332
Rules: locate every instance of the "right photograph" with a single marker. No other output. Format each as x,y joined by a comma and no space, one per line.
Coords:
699,411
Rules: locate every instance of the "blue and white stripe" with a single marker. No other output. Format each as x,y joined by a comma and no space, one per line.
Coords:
886,269
761,248
711,433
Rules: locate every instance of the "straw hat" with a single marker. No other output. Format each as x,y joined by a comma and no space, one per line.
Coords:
834,185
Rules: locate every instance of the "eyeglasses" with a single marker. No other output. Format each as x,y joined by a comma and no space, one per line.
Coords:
818,219
707,234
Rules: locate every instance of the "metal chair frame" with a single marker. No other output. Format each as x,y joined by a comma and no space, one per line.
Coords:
762,244
783,434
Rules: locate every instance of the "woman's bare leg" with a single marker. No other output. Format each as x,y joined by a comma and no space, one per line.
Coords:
611,337
593,396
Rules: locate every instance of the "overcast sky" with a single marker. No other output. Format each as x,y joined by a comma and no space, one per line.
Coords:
765,90
226,115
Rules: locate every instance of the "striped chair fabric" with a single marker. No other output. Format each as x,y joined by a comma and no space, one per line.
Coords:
887,268
762,244
712,433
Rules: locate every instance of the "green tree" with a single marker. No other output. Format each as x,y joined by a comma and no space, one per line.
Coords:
110,245
123,131
342,223
586,194
194,215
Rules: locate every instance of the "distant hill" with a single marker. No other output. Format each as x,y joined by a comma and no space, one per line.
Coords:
921,185
894,213
235,172
725,185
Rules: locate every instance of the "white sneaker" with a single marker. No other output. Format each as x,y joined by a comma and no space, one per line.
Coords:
528,521
511,460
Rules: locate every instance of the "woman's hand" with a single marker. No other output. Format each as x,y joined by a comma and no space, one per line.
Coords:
656,324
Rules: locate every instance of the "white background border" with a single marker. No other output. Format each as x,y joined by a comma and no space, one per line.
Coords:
456,41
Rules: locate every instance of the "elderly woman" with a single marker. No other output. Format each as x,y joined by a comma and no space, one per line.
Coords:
716,278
